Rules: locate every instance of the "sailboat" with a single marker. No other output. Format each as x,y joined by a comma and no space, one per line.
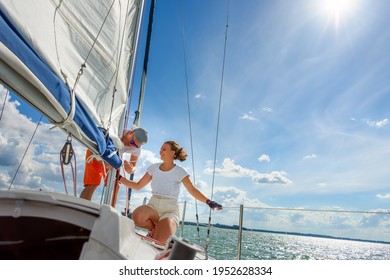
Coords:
74,62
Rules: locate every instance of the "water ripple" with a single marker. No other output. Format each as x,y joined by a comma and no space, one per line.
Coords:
270,246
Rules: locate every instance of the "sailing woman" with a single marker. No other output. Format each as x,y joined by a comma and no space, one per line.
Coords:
161,215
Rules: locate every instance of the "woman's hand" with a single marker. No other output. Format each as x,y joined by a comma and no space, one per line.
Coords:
213,204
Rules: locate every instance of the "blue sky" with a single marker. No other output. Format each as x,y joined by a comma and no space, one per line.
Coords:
304,119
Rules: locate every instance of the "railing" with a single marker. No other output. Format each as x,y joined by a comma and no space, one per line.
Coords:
319,214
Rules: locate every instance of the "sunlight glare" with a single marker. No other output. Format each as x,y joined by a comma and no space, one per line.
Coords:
338,9
338,6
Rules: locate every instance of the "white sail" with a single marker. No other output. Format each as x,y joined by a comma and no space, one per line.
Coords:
43,45
50,49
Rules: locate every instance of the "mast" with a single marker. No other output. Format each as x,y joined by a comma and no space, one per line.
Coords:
108,196
137,118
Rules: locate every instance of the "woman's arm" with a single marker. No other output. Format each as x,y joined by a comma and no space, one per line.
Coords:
193,190
136,185
198,195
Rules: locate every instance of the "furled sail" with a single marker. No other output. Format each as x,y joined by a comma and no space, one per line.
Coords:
50,49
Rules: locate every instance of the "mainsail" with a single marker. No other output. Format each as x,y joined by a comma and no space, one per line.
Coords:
73,61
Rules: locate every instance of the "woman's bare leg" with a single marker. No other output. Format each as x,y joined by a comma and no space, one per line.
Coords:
145,217
164,229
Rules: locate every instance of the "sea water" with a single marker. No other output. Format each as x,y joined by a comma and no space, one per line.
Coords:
223,245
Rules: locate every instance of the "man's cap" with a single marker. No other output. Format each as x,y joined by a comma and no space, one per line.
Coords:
141,135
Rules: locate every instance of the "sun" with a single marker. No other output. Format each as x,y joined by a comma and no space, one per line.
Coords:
338,6
338,9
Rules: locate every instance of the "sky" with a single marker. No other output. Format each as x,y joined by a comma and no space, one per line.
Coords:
292,113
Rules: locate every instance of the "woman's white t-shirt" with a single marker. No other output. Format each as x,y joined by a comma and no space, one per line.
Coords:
166,183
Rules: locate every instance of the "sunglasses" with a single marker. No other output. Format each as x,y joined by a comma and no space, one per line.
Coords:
133,143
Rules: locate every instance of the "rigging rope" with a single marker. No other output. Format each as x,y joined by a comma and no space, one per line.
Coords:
56,43
69,118
116,74
80,73
218,121
83,65
114,89
71,113
25,152
189,118
5,101
98,34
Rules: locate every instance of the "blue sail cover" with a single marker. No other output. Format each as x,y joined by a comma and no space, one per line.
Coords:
52,91
13,39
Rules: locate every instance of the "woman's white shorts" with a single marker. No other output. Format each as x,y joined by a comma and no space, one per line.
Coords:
165,207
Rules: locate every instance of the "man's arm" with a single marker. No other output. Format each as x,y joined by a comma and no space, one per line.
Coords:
130,166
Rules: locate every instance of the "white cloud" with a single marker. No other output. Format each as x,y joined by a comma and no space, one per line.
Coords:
232,170
145,160
264,158
40,167
383,196
378,124
267,109
275,177
230,195
248,116
200,96
312,156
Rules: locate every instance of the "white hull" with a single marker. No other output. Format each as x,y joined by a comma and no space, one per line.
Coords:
42,225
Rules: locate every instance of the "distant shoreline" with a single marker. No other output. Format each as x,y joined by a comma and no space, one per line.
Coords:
236,227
